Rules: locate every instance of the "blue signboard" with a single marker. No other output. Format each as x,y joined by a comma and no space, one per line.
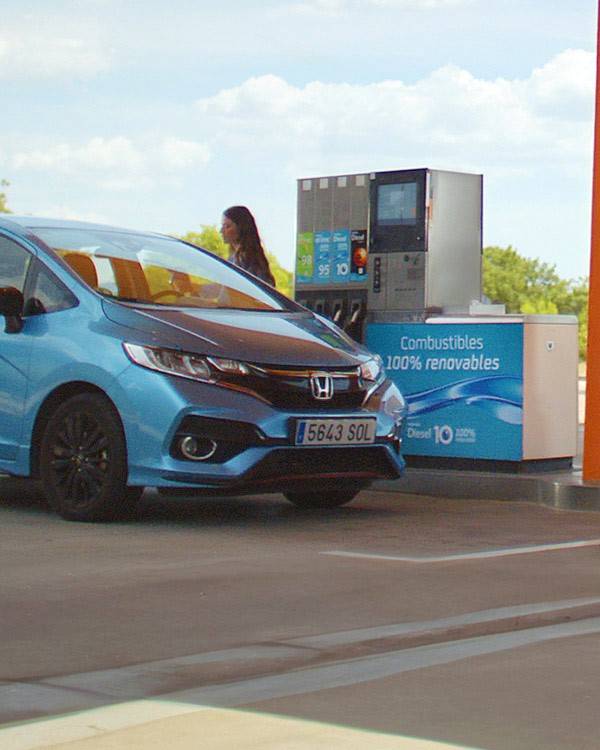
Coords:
340,256
463,384
322,267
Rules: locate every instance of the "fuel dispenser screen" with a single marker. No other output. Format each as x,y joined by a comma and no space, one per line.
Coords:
397,204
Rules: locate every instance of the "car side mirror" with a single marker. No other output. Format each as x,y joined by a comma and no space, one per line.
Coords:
11,306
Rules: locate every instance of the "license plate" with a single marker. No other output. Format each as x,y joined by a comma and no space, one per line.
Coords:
335,431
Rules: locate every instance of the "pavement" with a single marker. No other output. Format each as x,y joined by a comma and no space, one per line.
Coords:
399,621
561,489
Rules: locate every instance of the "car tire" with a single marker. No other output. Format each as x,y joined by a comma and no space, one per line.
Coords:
324,499
83,461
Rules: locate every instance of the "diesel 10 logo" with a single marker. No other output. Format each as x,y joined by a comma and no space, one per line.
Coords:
443,434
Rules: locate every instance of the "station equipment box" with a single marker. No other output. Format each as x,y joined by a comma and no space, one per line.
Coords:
394,245
495,388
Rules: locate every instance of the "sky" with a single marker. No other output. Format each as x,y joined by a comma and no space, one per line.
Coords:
160,115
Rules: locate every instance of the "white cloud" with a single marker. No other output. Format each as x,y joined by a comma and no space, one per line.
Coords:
97,154
66,212
449,118
419,4
118,163
565,84
337,7
318,7
39,54
181,154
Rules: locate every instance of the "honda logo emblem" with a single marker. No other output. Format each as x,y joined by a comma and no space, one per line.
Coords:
321,386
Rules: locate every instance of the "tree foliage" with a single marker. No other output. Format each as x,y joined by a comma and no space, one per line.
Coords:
529,286
4,209
210,239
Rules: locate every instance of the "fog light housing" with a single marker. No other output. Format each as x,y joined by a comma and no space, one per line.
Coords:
196,448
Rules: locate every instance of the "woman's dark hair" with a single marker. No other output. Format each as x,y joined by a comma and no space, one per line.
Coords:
251,254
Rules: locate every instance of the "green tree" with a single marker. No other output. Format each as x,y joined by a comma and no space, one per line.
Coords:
583,331
529,286
4,209
210,239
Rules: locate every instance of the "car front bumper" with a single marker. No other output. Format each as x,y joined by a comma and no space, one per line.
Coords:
256,442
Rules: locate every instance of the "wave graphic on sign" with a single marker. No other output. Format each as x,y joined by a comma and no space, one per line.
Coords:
501,396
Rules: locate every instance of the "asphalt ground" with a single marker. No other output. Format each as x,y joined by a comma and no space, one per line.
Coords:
398,621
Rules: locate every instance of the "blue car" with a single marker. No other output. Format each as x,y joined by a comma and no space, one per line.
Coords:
132,360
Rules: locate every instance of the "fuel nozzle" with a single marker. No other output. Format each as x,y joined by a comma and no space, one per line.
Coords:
319,307
338,309
356,316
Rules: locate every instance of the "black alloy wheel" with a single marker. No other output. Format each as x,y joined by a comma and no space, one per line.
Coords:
83,461
324,499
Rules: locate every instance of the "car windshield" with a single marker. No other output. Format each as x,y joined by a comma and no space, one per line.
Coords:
158,270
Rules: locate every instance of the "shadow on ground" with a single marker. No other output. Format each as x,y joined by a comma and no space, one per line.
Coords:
154,508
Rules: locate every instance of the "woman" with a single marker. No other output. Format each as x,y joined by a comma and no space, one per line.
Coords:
239,231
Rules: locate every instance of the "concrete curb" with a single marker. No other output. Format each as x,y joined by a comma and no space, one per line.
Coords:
561,490
462,632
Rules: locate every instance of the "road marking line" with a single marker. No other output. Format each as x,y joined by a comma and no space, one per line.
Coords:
62,694
123,682
97,721
358,635
376,667
504,552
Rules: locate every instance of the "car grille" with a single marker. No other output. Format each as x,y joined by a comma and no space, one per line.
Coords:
290,389
372,462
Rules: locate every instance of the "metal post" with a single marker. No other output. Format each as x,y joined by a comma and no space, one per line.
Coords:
591,442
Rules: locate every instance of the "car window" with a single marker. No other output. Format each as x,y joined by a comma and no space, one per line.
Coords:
158,270
46,293
14,263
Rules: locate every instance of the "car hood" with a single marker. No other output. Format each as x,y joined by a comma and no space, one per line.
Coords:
276,338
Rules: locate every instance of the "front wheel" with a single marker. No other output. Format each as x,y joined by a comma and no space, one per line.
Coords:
324,499
83,461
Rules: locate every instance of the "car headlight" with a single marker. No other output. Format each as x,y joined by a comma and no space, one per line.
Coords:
184,364
372,369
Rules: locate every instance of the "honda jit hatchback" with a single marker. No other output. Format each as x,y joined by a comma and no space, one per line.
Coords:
132,360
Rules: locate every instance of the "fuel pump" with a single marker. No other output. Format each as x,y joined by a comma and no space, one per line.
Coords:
332,249
388,245
394,258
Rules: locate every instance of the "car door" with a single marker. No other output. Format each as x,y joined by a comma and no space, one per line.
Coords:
15,352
